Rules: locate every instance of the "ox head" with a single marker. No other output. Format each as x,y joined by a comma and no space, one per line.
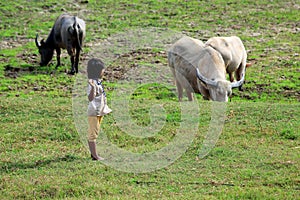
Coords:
45,51
219,90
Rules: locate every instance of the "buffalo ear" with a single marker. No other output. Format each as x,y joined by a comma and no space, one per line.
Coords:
42,42
248,65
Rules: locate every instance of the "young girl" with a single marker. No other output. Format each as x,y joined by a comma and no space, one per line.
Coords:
97,107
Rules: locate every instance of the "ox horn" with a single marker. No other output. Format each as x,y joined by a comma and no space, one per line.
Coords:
204,79
238,83
37,43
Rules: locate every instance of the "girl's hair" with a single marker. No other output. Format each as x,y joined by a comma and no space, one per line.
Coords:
94,68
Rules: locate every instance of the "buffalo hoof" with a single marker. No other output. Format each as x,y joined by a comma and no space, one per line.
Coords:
241,88
71,72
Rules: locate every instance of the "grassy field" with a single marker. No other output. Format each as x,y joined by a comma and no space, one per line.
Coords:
43,153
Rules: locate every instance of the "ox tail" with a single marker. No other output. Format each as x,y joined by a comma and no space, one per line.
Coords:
78,33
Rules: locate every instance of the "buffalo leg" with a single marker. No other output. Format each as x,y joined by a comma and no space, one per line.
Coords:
58,52
179,90
72,65
72,59
231,77
77,60
189,95
239,74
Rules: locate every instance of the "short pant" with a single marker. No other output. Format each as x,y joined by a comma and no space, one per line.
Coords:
94,127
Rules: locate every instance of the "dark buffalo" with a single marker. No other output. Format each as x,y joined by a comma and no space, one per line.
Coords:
68,33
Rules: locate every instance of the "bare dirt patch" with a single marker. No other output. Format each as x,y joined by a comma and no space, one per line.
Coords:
123,63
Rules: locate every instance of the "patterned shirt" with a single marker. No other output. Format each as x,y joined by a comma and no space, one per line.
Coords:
98,106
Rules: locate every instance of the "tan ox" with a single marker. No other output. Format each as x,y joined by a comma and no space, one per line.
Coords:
233,53
199,69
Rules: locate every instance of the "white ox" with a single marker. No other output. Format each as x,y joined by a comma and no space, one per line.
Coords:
199,69
233,53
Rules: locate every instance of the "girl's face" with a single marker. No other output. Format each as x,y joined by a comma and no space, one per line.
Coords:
102,73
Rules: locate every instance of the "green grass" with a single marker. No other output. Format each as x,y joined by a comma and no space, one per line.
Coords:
43,156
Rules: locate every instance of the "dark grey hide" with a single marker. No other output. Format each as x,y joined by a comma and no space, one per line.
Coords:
68,33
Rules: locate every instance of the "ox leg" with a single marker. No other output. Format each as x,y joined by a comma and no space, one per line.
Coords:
241,88
231,78
238,74
77,60
58,52
189,95
179,90
72,58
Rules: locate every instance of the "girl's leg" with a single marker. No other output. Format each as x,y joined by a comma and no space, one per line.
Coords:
93,150
94,127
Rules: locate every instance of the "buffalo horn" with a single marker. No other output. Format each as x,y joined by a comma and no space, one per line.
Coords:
238,83
36,41
205,80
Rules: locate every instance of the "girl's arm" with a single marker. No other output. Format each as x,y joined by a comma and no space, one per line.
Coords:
92,94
